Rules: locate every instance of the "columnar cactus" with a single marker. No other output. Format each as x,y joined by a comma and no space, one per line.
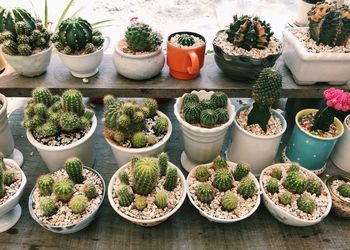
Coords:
161,126
125,196
219,99
163,163
208,118
246,188
2,170
272,186
63,190
344,190
285,198
170,179
295,182
202,174
161,199
124,177
45,184
219,162
90,190
185,40
276,173
242,170
47,206
229,201
78,204
205,192
306,204
74,168
140,203
313,186
223,180
73,102
145,175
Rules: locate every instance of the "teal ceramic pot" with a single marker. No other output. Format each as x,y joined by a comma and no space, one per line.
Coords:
310,151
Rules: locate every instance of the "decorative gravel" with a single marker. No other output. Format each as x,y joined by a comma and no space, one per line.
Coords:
321,200
274,126
198,42
123,46
273,48
245,206
13,188
310,45
151,211
64,215
307,121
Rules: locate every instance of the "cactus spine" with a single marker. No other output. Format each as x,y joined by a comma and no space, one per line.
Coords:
229,201
45,184
223,180
170,179
145,175
78,204
74,168
161,199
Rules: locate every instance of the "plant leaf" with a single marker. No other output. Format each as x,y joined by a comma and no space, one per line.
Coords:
34,9
46,15
102,22
78,11
64,13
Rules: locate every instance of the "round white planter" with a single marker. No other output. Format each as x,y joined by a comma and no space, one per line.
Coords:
283,216
123,155
150,222
258,151
54,157
341,153
138,67
10,211
201,145
32,65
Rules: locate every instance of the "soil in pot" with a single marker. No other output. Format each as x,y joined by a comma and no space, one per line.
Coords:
307,122
339,188
123,46
12,182
197,41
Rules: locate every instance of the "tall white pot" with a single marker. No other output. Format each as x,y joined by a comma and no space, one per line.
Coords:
258,151
54,157
201,145
6,140
341,153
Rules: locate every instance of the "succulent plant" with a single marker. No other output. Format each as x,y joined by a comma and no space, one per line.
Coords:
161,126
285,198
265,92
294,167
206,104
63,190
161,199
152,106
344,190
229,201
163,163
306,204
276,172
242,170
329,24
219,99
151,139
125,196
139,140
90,190
9,177
47,206
170,179
140,203
190,98
78,204
223,179
246,188
45,184
73,102
192,112
219,162
249,32
202,174
222,115
313,186
2,170
74,168
124,177
295,182
185,39
272,185
208,118
205,192
145,175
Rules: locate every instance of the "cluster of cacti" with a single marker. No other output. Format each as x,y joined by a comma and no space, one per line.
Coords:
306,204
76,36
242,170
127,121
7,176
272,185
247,187
265,92
49,115
140,37
208,113
185,39
249,32
329,24
20,34
344,190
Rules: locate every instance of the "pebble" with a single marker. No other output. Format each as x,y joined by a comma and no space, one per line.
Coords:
13,188
307,122
198,42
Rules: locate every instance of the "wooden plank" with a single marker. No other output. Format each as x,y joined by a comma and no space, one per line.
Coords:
107,81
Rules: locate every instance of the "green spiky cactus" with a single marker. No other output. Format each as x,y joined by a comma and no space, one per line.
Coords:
145,175
163,163
138,117
276,172
69,121
42,95
161,126
285,198
202,174
24,49
222,115
192,113
9,18
190,98
170,179
123,122
208,118
90,190
108,100
266,91
294,167
306,204
48,129
78,204
63,190
141,37
219,162
206,104
223,179
45,184
242,170
151,139
9,177
74,168
313,186
152,106
73,102
219,99
2,170
125,196
140,203
185,40
139,140
295,182
246,188
89,48
249,32
205,192
10,47
272,186
124,177
229,201
47,206
161,199
344,190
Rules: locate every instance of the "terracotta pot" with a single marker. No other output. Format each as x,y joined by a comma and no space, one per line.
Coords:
183,63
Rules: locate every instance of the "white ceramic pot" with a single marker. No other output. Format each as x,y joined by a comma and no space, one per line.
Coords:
7,144
201,145
123,155
55,156
33,65
150,222
301,18
138,67
341,153
309,68
258,151
83,66
10,211
283,216
69,229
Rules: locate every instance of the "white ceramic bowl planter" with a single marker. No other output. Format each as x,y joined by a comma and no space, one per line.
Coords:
33,65
138,67
83,66
7,146
341,153
123,155
301,18
55,156
201,145
11,211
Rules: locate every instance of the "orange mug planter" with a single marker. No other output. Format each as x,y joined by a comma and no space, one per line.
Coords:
185,62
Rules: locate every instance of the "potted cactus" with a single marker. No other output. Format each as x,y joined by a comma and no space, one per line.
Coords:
67,200
309,52
245,48
79,46
204,118
12,183
294,195
135,128
147,191
339,188
259,128
223,191
60,127
316,132
139,56
340,156
25,42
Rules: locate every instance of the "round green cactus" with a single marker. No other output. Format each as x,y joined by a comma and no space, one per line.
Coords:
285,198
152,106
74,168
151,139
223,180
118,136
10,17
161,126
73,102
163,163
161,199
185,40
140,203
138,117
223,115
191,112
206,104
40,110
276,172
170,179
272,186
125,196
108,100
90,190
344,190
190,98
24,49
202,173
124,177
45,184
295,167
78,204
314,186
219,99
306,204
42,95
141,37
219,162
145,175
128,109
63,190
208,118
145,111
47,206
246,188
295,182
205,192
242,170
9,177
89,48
229,201
123,122
69,121
89,114
138,140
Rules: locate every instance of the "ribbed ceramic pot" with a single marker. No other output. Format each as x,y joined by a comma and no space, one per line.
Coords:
310,151
6,140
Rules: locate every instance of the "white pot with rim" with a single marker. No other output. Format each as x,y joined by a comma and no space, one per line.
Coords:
30,66
138,67
257,150
83,66
122,155
201,145
55,156
341,153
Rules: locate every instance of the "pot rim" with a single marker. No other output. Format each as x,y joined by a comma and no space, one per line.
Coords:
49,49
87,136
80,56
4,104
143,56
329,183
190,33
347,127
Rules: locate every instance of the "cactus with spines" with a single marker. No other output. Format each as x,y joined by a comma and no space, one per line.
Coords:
185,40
73,102
191,112
163,163
314,186
276,172
190,98
344,190
222,115
206,104
219,162
246,188
202,174
242,170
219,99
2,170
265,92
78,204
42,95
272,186
69,122
223,180
208,118
125,195
229,201
329,24
108,100
152,106
170,179
151,139
161,199
249,32
306,204
295,182
76,36
63,190
145,175
45,184
124,177
139,140
74,168
205,192
294,167
9,177
285,198
90,190
140,203
161,126
47,206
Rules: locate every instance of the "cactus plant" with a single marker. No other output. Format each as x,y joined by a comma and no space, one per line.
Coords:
139,140
90,190
9,177
140,203
276,172
161,199
205,192
223,180
285,198
272,186
229,201
78,204
344,190
72,101
219,99
202,174
151,139
125,196
2,170
190,98
295,182
306,204
222,115
47,206
242,170
208,118
63,190
161,126
145,175
45,184
206,104
152,106
219,162
74,168
185,40
170,179
163,163
313,186
246,188
124,177
294,167
191,112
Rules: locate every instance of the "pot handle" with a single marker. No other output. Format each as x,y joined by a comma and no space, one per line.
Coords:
194,68
106,42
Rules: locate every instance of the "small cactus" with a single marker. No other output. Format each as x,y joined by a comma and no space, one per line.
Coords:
219,162
205,192
161,126
185,40
190,98
170,179
118,136
202,174
9,177
191,113
45,184
229,201
306,204
89,48
151,139
276,173
295,182
47,206
69,121
78,204
223,115
344,190
42,95
124,177
152,106
90,190
125,196
223,180
140,203
285,198
241,171
208,118
161,199
206,104
219,99
63,190
145,175
73,102
246,188
163,163
108,100
139,140
74,168
141,37
313,186
295,167
272,186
